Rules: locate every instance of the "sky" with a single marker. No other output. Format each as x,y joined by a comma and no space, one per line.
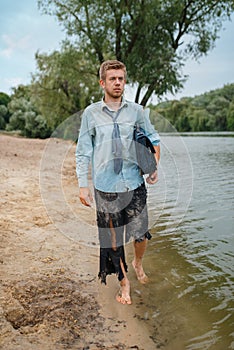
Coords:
24,31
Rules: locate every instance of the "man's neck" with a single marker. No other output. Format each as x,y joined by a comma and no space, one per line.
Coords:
113,103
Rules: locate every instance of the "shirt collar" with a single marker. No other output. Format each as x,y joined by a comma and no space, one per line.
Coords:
124,103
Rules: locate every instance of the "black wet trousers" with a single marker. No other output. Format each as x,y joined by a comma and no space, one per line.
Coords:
120,217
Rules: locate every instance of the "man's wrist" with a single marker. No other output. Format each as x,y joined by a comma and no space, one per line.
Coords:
83,183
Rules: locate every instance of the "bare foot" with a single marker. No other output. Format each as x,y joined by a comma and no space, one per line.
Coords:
123,296
140,273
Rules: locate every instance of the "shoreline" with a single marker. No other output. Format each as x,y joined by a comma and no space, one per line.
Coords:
51,297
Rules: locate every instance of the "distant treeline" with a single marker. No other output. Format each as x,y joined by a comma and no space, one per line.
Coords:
211,111
22,113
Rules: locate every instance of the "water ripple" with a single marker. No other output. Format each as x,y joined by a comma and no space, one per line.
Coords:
192,247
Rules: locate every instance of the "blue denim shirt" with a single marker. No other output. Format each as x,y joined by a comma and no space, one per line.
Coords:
95,146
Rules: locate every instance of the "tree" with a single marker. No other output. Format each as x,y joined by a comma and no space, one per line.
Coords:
65,82
4,99
36,126
4,113
230,117
17,107
218,107
212,111
201,120
153,37
24,115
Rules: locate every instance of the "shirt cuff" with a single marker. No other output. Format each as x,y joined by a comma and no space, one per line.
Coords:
156,143
83,182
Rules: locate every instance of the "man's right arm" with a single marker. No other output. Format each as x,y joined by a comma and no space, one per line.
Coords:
84,150
86,197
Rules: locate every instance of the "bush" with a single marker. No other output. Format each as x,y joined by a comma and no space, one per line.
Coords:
36,126
3,114
26,119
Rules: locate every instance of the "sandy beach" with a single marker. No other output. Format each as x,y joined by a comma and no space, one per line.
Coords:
51,297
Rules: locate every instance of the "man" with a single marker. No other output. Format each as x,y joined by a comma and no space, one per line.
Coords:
106,139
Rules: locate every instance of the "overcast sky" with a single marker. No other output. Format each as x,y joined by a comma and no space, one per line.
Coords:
23,31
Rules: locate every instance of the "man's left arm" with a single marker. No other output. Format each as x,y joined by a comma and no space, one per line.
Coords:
157,154
155,139
153,178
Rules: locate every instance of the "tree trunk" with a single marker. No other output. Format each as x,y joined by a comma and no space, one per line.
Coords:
147,95
137,97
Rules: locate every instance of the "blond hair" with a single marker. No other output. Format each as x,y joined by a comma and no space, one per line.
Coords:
111,64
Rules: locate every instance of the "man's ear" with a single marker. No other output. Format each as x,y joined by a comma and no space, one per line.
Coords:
102,83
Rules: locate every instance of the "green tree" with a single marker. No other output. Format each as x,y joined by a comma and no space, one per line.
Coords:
153,37
212,111
36,126
25,117
218,107
17,107
228,92
183,123
177,109
65,82
4,99
4,114
201,120
230,117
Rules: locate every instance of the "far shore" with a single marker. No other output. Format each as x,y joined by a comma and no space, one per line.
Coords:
200,133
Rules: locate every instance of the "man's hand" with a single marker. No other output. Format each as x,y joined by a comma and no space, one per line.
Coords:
152,178
86,197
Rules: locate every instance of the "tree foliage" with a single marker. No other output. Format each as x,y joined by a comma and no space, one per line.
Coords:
4,112
4,99
65,83
153,37
212,111
25,118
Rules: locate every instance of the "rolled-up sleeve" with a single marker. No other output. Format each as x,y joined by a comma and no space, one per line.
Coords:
145,123
84,150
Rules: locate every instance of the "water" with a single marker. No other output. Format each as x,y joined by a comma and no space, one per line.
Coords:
190,259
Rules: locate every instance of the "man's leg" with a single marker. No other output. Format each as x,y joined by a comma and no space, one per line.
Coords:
123,296
139,250
137,227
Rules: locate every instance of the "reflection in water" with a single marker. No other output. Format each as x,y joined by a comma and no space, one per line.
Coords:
190,259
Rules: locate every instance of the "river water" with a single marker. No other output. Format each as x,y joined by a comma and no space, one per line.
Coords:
188,304
189,301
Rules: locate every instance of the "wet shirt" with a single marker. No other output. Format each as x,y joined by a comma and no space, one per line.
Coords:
95,146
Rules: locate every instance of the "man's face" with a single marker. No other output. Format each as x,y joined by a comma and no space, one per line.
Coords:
114,83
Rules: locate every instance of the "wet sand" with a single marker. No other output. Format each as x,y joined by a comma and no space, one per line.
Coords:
51,297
